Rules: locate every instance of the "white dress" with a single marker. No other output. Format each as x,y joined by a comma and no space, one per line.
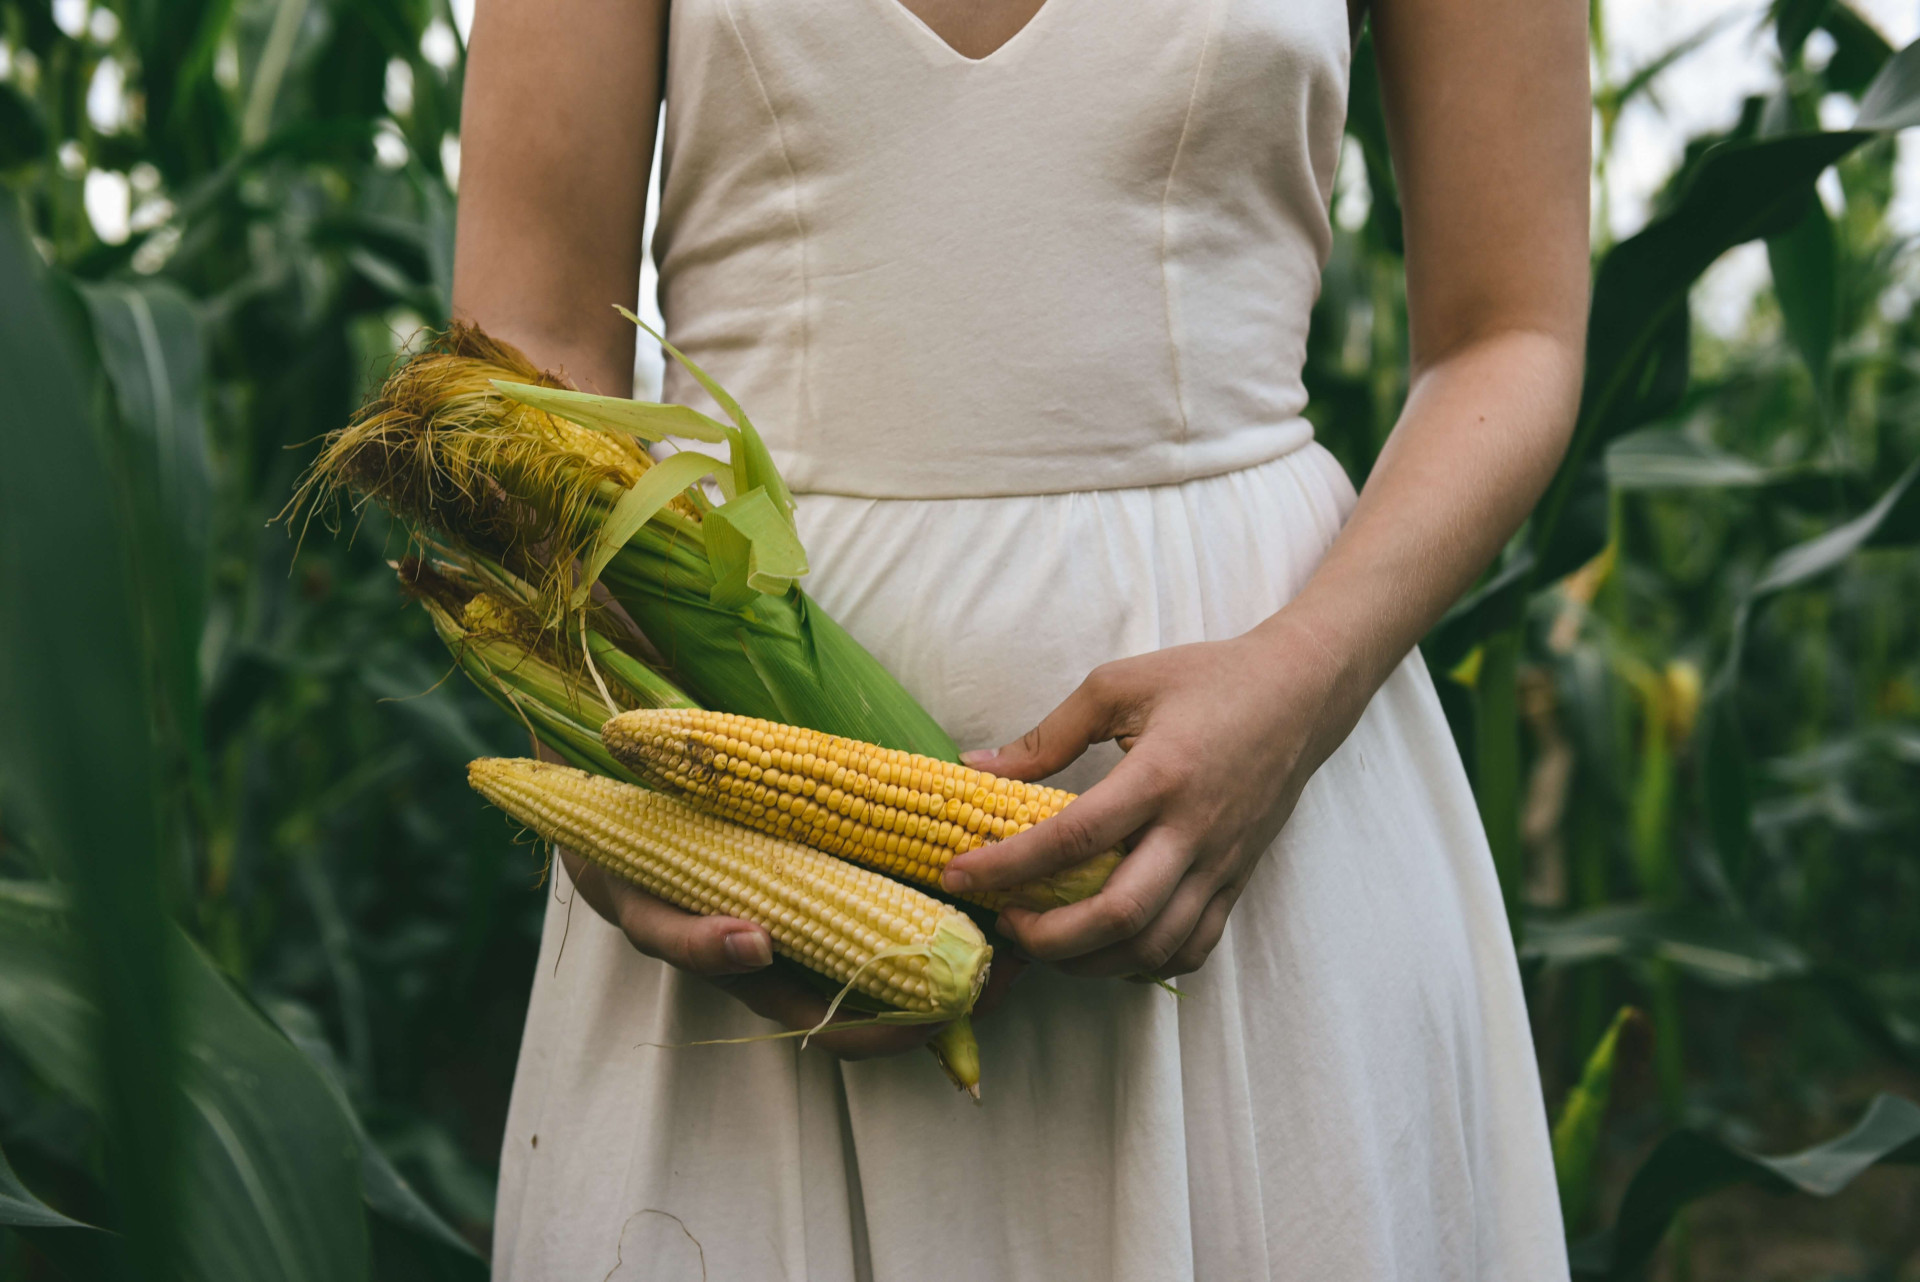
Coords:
1025,333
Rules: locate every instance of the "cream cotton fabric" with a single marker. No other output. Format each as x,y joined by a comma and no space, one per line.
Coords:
1026,334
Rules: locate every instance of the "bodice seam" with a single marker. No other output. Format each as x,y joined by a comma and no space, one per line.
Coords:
1166,201
804,415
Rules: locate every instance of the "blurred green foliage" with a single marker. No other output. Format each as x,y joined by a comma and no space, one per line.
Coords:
1689,693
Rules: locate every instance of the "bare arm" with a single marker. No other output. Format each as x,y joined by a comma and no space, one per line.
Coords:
1487,108
562,101
1488,115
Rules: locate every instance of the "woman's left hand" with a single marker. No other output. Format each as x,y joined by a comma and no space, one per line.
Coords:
1220,739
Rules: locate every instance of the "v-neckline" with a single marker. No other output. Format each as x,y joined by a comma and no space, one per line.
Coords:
919,26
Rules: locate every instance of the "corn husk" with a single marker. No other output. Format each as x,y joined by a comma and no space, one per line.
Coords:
469,441
562,685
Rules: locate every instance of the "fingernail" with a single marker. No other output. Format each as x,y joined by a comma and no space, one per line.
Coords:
980,756
747,948
956,881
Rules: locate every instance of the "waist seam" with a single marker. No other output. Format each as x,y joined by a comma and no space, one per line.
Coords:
1304,441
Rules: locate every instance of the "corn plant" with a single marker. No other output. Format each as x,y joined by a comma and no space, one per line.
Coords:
239,864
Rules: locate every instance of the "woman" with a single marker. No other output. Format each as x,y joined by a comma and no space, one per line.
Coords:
1018,294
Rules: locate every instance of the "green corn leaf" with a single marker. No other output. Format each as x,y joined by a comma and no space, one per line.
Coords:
268,1170
1893,520
636,507
1612,99
76,702
1793,21
778,657
1724,952
23,129
753,464
387,1191
1712,947
1892,101
1576,1132
1498,787
1663,459
645,419
1806,281
752,550
19,1208
1860,51
1689,1164
148,340
88,1253
1636,354
1476,615
1726,780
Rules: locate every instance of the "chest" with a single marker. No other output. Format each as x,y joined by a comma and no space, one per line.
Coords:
1081,102
973,28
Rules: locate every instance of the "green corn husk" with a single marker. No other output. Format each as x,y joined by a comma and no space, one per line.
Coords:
540,676
455,444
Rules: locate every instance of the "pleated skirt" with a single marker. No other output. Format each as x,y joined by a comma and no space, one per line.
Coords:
1346,1091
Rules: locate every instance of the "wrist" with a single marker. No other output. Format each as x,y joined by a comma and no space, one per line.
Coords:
1308,644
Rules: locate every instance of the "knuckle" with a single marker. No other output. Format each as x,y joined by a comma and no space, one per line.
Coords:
1077,838
1159,778
1153,952
1043,948
1184,961
1099,684
1124,915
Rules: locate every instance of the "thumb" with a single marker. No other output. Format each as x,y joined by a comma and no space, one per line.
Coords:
1086,717
721,946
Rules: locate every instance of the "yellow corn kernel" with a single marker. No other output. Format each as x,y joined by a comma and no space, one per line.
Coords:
903,814
890,941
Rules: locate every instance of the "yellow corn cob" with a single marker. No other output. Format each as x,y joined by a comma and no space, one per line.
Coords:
888,940
903,814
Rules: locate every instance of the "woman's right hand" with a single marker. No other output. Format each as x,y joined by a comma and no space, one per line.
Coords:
736,957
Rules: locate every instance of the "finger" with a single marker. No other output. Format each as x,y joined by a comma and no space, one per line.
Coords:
1091,714
790,1002
1206,935
1097,821
1132,898
1146,952
703,945
592,883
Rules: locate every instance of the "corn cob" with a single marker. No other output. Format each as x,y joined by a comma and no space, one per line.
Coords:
902,814
885,939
